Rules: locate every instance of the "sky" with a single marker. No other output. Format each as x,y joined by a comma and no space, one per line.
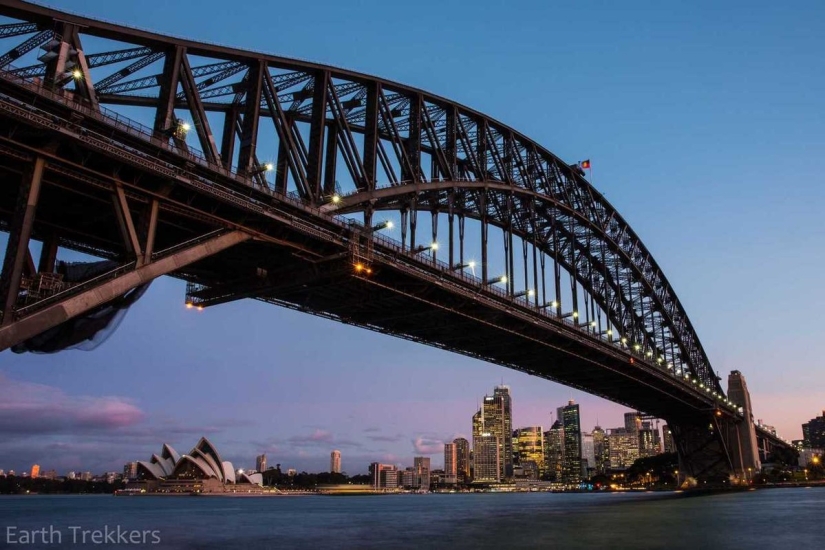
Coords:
703,123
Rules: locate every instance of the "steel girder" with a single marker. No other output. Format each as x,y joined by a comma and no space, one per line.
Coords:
426,147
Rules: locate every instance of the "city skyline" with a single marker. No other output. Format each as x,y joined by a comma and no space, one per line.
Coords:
572,434
704,221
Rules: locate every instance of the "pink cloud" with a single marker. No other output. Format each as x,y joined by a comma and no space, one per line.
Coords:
427,446
27,408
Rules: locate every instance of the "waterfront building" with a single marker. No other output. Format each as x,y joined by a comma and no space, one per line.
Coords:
200,471
813,433
335,462
486,459
409,479
528,446
623,448
572,455
554,451
383,476
421,467
450,463
35,471
601,453
260,463
462,452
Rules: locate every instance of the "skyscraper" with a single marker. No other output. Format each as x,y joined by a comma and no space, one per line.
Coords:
632,421
572,458
528,445
623,446
462,452
813,433
554,451
497,417
450,463
260,463
487,463
421,467
335,462
667,436
588,455
35,471
600,450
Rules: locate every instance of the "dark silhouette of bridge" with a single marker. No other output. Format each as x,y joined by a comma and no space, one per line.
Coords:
286,198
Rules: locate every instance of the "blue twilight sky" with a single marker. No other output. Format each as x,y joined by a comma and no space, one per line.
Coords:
704,124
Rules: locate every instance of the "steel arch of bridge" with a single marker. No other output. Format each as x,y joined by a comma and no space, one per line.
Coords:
403,148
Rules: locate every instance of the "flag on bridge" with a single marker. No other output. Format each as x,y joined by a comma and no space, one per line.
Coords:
585,164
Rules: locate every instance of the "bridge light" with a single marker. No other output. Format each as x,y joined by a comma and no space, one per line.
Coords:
637,347
624,340
77,74
434,246
200,308
609,332
502,279
336,199
554,304
386,224
718,412
471,264
359,267
266,167
189,305
649,353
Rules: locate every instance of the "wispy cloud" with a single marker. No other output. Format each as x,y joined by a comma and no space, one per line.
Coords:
29,409
426,446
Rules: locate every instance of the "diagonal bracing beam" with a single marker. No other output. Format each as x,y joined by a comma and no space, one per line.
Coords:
108,290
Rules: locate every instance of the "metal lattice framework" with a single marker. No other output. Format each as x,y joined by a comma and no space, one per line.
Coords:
400,148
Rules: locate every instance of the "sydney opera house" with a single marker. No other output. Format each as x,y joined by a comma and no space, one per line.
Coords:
200,471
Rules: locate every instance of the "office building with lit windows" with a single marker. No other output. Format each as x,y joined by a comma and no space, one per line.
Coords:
462,453
528,445
571,470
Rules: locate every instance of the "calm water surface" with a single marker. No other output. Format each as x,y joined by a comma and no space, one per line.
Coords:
766,519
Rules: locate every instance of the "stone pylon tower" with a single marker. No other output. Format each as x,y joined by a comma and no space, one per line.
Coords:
745,456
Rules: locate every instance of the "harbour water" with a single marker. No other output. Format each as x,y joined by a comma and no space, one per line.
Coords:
764,519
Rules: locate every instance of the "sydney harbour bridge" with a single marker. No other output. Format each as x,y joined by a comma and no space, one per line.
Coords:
255,176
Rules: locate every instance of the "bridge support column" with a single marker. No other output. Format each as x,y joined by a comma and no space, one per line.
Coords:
703,451
17,249
86,298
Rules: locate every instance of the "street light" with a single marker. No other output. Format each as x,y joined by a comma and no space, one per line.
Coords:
386,224
470,264
529,293
422,248
502,280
